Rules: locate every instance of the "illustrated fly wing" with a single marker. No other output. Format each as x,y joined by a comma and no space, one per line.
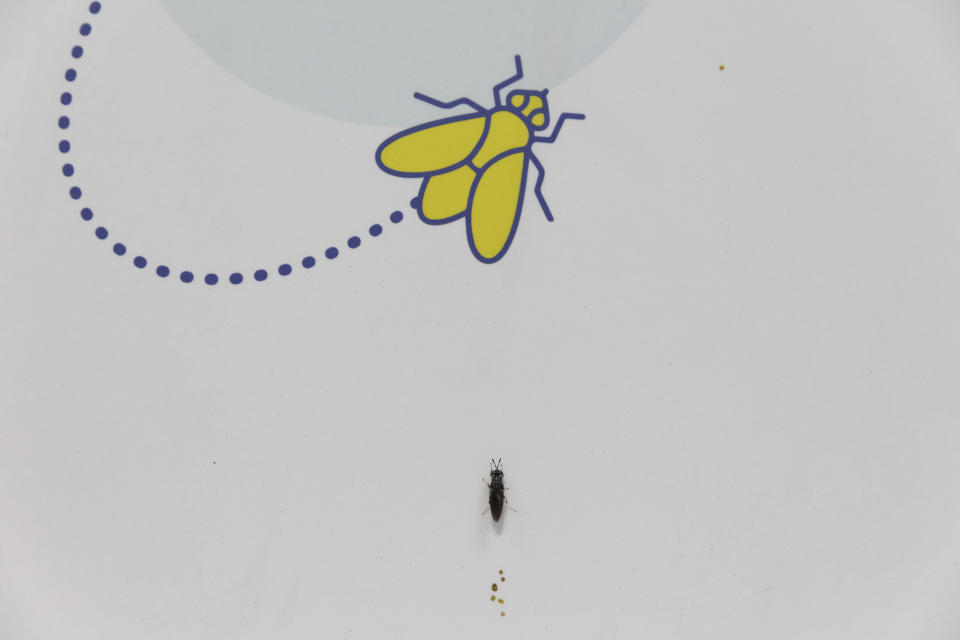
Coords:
431,148
495,204
444,197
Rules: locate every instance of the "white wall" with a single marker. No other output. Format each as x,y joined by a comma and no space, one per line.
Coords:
722,382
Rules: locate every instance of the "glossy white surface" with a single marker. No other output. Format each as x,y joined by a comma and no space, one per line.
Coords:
723,381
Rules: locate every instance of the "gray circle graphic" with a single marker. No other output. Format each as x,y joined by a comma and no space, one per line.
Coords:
361,61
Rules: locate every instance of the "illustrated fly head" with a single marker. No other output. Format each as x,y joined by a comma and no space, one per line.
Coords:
532,107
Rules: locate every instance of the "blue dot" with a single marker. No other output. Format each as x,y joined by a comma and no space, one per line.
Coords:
68,170
86,213
236,278
211,279
139,262
119,249
331,253
415,203
64,146
75,193
163,271
70,75
63,122
260,275
77,51
284,269
396,217
186,276
85,29
94,7
376,230
100,232
353,242
308,262
66,98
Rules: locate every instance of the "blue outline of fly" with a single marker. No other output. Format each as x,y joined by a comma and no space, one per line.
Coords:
474,166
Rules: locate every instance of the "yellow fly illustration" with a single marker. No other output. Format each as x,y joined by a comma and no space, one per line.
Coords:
474,166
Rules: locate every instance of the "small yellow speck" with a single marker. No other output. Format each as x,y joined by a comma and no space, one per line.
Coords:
493,598
503,613
722,67
494,586
500,600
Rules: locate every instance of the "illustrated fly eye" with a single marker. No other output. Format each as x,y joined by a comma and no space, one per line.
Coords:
516,100
538,120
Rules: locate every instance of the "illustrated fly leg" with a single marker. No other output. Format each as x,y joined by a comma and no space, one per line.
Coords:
497,88
541,172
556,128
448,105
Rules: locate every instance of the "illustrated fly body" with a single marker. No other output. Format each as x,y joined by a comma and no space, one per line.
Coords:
474,166
496,490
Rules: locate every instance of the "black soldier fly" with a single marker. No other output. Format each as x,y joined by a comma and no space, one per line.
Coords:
496,490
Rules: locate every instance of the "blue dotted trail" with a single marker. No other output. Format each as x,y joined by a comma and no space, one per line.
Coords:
140,262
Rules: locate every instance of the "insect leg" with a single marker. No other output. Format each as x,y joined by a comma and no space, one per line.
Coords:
448,105
556,127
499,86
536,188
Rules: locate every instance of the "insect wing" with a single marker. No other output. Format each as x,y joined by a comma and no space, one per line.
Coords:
432,148
496,505
444,197
495,206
